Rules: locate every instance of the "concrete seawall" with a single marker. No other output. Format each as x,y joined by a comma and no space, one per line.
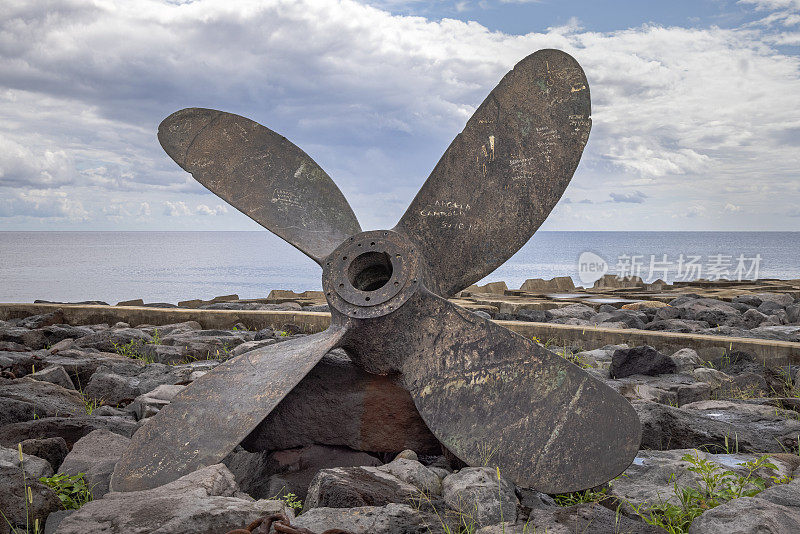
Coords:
589,337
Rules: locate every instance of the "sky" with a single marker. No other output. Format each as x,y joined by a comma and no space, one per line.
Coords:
696,104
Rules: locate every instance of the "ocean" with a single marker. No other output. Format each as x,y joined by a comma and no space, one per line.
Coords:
174,266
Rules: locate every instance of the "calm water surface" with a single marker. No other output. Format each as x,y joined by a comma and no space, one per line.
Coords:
173,266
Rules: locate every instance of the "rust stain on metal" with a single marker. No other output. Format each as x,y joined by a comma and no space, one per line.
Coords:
475,383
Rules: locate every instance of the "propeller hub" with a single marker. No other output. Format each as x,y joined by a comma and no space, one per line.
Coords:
371,274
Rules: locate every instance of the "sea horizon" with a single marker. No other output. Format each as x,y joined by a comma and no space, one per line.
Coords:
175,265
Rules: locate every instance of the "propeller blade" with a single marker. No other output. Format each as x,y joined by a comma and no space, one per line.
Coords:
490,395
263,175
500,177
216,412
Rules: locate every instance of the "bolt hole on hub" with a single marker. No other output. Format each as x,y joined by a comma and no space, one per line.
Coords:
476,385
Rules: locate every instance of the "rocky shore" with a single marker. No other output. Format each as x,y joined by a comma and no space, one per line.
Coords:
719,451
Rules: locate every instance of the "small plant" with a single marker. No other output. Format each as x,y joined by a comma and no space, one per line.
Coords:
581,497
715,487
28,498
132,350
291,500
486,452
536,339
156,338
72,490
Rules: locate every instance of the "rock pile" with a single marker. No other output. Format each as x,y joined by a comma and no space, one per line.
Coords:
72,396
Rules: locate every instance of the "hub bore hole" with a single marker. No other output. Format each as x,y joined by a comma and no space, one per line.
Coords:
370,271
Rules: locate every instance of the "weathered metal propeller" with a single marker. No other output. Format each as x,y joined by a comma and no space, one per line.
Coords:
477,385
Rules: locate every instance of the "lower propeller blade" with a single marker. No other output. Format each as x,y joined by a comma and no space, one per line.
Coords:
263,175
489,394
217,411
500,178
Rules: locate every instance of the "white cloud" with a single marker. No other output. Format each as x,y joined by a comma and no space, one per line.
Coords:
202,209
732,207
176,209
637,197
376,98
43,204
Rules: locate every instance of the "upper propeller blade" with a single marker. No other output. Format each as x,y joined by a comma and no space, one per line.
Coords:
489,394
216,412
263,175
501,176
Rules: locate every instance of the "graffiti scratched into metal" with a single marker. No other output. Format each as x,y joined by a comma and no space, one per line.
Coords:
474,383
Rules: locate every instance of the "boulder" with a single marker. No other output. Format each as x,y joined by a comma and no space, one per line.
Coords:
95,455
150,403
110,340
582,518
718,425
652,476
13,488
612,281
351,487
54,450
207,500
539,285
40,321
573,311
748,515
416,474
478,493
70,428
644,360
340,404
644,305
247,346
782,299
492,288
536,316
121,382
32,339
390,519
793,314
270,473
686,360
676,325
55,374
628,318
25,399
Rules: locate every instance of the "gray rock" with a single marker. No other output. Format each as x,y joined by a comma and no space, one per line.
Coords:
477,492
35,467
111,339
121,382
319,410
536,316
95,455
687,360
54,450
55,519
351,487
13,490
675,390
414,473
25,399
747,515
717,425
575,311
247,346
581,518
55,374
793,314
481,313
150,403
652,476
629,318
32,339
204,501
390,519
70,428
712,311
643,360
40,321
267,474
780,333
782,299
677,325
